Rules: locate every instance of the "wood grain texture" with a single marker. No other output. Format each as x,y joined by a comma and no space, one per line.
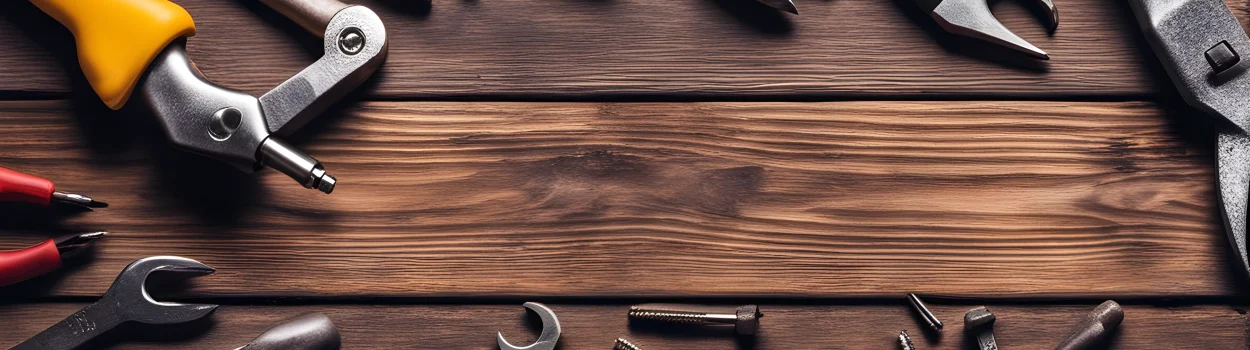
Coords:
596,326
854,199
661,49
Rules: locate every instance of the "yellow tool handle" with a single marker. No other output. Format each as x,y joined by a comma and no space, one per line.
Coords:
117,39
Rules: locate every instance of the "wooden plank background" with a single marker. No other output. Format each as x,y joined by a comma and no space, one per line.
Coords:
821,165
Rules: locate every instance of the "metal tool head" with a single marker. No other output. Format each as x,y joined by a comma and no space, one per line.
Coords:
549,336
784,5
1200,44
131,296
977,318
308,332
972,18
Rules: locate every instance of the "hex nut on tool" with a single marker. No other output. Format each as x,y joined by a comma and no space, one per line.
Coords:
745,318
1094,327
979,323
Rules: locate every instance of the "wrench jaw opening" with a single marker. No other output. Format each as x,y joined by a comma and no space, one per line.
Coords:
972,18
549,336
1233,157
131,295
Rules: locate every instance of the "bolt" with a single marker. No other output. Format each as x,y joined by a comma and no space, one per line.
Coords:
745,318
980,321
1221,57
924,312
224,122
351,41
622,344
904,341
1094,327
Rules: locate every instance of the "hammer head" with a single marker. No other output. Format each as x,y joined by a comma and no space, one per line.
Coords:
977,318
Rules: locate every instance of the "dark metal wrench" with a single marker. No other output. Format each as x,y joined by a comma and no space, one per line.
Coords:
126,300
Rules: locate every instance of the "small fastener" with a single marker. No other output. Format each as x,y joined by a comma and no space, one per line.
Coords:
1222,57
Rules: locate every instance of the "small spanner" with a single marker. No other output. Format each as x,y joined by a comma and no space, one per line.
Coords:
126,300
547,339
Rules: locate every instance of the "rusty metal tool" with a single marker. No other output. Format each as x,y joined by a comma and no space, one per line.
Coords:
979,323
127,300
972,18
1200,43
136,48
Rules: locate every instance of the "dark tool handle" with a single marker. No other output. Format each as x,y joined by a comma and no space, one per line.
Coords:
313,15
75,330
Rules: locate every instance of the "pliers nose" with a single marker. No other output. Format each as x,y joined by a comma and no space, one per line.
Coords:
972,18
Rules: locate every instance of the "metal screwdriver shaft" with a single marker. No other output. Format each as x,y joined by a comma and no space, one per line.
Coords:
924,312
745,318
78,199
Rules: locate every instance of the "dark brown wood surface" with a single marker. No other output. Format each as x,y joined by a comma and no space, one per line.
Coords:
661,49
668,199
472,179
596,326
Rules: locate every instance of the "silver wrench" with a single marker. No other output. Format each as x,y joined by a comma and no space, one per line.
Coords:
547,339
125,301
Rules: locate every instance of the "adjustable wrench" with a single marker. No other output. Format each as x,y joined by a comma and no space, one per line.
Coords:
126,300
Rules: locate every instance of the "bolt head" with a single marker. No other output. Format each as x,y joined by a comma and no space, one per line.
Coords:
977,318
351,41
748,319
1221,57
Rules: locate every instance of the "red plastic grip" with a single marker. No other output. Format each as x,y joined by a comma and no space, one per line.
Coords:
21,265
19,187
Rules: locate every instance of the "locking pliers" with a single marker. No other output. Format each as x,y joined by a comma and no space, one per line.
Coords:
129,44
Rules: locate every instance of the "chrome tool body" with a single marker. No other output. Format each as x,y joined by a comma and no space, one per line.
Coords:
308,332
549,336
127,300
129,45
972,18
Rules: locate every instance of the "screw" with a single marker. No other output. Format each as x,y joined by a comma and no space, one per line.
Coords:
351,41
980,321
1098,324
927,315
1222,57
622,344
745,318
904,341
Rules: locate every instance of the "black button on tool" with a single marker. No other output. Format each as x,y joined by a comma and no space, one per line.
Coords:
1222,57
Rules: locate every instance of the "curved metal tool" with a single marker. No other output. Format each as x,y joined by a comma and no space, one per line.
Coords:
308,332
972,18
126,300
547,339
1200,43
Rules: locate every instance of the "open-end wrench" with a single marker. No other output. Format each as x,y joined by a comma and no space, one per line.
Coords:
127,300
547,339
972,18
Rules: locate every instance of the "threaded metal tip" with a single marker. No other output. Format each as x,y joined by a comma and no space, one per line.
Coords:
622,344
904,341
668,316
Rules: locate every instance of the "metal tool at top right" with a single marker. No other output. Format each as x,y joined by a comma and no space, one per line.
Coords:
1200,44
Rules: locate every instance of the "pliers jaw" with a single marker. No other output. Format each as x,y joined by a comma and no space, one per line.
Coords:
972,18
1233,158
784,5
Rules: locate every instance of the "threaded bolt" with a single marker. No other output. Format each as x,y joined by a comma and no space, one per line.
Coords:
745,318
622,344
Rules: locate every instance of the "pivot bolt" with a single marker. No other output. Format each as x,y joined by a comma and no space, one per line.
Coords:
351,40
1222,57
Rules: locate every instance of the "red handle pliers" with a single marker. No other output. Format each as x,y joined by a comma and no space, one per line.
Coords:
24,264
19,187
